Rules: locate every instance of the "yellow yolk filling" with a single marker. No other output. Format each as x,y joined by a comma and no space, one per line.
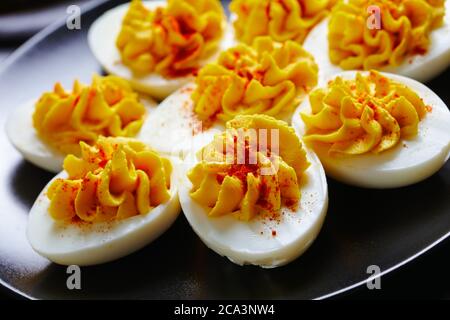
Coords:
404,29
170,40
282,20
107,107
368,114
266,78
247,188
113,180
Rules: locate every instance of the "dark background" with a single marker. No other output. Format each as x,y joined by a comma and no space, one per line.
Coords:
427,277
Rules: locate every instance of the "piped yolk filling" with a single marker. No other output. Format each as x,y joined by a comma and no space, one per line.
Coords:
237,176
170,40
282,20
116,179
107,107
403,30
265,78
368,114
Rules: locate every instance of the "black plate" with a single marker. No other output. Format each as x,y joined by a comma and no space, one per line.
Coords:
364,227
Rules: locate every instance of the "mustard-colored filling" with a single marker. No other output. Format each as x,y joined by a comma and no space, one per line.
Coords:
170,40
113,180
260,181
107,107
266,78
282,20
404,30
368,114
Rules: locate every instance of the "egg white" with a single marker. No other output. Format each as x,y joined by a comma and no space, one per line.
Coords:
243,243
89,244
409,162
23,136
102,41
174,129
419,67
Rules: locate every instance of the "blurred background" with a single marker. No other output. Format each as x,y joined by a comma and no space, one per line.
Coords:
21,19
427,277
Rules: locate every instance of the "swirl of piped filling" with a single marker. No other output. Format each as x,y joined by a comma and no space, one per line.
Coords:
239,175
170,40
107,107
282,20
265,78
113,180
403,29
368,114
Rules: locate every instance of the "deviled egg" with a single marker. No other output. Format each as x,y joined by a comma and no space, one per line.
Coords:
376,130
409,38
265,78
157,45
114,199
46,130
255,194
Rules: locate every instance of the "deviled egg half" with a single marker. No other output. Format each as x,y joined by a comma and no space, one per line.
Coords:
376,130
46,130
254,194
265,78
114,199
409,38
157,45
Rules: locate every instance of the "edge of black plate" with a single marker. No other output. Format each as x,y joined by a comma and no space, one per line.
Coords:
391,269
58,24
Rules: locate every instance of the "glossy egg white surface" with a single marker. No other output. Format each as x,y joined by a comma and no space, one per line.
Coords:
102,41
420,67
23,136
253,242
409,162
174,129
89,244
